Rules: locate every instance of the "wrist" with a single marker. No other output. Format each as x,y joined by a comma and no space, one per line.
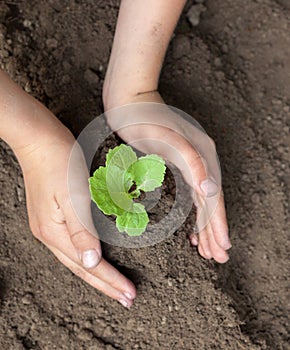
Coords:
116,95
124,81
47,145
35,128
39,127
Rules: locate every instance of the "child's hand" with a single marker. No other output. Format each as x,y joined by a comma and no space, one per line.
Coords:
139,47
213,241
43,146
53,220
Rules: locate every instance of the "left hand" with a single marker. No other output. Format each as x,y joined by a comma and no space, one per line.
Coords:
213,240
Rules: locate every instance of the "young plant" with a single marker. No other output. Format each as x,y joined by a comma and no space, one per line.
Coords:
115,187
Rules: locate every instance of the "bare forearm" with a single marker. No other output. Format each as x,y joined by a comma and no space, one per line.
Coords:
23,120
143,32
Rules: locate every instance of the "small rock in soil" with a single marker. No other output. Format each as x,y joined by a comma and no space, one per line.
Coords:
194,13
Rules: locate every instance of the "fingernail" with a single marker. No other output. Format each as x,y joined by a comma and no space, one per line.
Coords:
227,259
209,187
124,303
194,241
128,295
227,244
90,258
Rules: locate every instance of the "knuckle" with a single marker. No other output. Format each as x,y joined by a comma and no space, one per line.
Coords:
37,230
195,156
44,234
71,202
65,201
197,162
79,236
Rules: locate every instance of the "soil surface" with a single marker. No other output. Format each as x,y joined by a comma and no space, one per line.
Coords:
228,65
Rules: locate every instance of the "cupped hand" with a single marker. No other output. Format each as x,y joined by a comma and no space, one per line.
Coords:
53,220
213,238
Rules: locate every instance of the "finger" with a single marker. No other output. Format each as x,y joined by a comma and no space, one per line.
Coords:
213,239
75,204
89,250
194,239
204,197
220,226
202,183
112,276
218,253
203,246
208,246
200,235
104,271
83,234
86,243
93,280
201,252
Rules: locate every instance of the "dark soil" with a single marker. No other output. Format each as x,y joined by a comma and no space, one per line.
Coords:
232,73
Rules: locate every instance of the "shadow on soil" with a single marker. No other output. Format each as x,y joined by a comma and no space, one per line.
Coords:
232,276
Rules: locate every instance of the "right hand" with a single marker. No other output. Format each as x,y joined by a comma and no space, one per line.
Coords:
53,220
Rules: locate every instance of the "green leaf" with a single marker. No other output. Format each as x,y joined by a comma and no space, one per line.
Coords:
100,194
121,156
118,184
148,172
112,187
134,223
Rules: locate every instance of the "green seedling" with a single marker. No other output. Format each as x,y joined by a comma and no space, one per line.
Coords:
115,187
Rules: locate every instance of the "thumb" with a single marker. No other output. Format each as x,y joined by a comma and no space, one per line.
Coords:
85,241
77,211
202,183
